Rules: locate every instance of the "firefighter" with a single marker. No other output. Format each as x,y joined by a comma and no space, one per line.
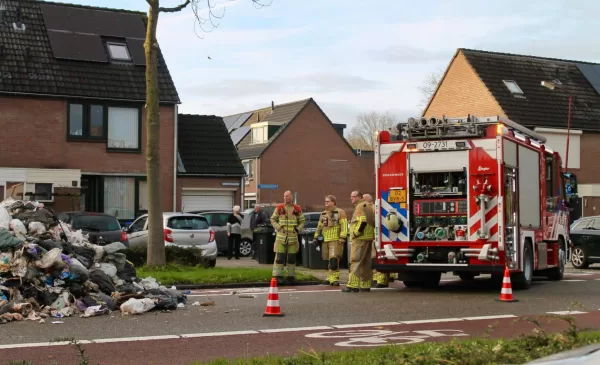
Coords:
288,221
362,233
333,226
380,280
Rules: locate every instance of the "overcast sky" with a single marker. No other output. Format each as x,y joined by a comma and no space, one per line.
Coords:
351,56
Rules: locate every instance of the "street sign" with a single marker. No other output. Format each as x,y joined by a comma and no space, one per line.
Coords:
227,183
268,186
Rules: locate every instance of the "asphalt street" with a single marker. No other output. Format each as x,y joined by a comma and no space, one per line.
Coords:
235,320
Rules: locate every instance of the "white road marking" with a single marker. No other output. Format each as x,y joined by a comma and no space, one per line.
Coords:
489,317
277,330
133,339
433,320
215,334
566,312
265,331
573,280
367,325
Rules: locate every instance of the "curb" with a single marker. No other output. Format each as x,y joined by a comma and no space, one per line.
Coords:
239,285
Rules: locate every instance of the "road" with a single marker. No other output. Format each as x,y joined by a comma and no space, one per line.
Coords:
235,327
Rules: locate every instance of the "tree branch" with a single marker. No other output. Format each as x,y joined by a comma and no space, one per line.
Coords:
175,9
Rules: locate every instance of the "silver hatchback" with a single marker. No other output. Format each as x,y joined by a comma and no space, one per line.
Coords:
180,229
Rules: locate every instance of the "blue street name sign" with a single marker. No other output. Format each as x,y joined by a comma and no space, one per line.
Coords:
268,186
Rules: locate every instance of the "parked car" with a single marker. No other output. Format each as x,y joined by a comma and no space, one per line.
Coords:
585,237
217,220
180,229
102,228
586,355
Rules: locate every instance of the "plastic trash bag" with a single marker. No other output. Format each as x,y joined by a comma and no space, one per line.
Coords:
18,227
117,259
128,274
109,269
93,311
137,306
8,241
51,258
4,218
94,299
36,228
114,247
79,272
103,281
149,283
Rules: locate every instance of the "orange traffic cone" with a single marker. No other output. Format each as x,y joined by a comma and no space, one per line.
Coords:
506,292
273,309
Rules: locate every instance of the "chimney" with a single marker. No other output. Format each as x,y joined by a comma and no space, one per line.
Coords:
272,105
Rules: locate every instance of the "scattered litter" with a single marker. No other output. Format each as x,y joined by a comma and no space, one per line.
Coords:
247,296
49,270
57,322
208,303
196,303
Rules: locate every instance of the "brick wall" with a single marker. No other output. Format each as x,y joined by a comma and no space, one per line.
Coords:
300,160
35,135
589,173
206,182
66,199
462,93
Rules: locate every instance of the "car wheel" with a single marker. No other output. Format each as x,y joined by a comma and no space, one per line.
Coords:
466,276
245,248
212,263
579,258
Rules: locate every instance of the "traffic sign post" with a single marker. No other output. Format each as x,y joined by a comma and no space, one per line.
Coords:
269,187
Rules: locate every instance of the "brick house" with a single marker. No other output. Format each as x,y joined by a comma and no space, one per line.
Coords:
72,95
490,83
210,174
296,147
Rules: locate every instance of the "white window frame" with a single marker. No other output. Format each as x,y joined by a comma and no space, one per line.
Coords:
250,169
262,131
513,87
123,46
51,193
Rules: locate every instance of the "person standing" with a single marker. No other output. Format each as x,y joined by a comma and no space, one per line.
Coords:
234,233
333,225
362,233
258,218
380,279
288,221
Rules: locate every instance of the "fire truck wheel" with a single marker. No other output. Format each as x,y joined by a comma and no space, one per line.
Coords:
411,283
523,280
557,273
432,280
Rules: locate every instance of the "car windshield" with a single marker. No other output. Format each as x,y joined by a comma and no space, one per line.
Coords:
194,223
96,223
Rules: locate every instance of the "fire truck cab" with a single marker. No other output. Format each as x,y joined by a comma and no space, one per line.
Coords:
470,195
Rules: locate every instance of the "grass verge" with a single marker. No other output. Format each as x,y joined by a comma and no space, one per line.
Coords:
177,274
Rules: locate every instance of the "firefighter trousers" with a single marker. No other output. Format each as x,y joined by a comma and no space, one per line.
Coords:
285,258
332,252
361,272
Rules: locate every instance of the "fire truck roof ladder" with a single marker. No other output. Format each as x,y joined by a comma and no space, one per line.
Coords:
469,126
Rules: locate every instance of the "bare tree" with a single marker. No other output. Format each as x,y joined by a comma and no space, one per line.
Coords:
363,133
156,246
429,86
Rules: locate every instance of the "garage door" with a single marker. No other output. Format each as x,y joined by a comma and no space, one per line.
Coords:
206,200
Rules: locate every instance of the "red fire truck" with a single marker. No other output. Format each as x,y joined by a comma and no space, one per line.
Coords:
470,195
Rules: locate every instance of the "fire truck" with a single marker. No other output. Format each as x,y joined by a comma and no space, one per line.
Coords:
470,195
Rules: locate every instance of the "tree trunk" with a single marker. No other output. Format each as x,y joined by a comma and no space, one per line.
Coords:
156,243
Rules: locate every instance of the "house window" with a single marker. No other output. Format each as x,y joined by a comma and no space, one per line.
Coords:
42,191
248,167
513,87
259,135
123,128
86,121
119,197
118,51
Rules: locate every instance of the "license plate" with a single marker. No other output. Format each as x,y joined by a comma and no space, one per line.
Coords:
397,196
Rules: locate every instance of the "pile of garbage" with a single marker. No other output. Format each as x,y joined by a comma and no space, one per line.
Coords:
48,270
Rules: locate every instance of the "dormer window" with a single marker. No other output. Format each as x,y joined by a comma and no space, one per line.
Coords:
118,51
513,87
